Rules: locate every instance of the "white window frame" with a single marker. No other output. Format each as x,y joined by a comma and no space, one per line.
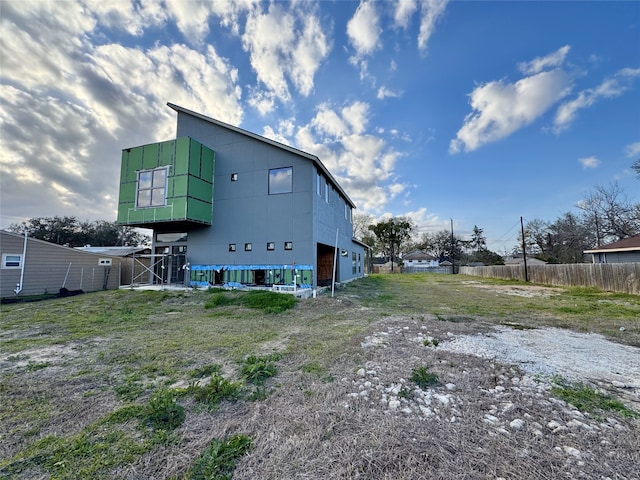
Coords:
153,188
7,256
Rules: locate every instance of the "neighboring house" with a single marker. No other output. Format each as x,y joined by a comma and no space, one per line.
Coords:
228,206
35,267
518,259
626,250
418,259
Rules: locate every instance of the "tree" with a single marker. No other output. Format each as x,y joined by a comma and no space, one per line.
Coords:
636,166
478,240
610,214
440,245
69,231
361,222
391,234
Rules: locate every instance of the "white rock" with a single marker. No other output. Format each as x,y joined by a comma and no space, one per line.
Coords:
394,404
553,424
571,451
450,386
490,419
360,372
407,410
517,424
426,411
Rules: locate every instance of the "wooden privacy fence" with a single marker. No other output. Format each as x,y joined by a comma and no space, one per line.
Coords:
612,277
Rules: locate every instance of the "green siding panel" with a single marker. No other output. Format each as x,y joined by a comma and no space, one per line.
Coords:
207,165
200,189
150,156
195,154
167,153
180,186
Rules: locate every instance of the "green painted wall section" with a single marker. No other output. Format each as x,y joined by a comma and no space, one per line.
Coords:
189,193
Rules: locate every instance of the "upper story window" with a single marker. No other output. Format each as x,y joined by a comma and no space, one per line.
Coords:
280,180
326,191
10,260
152,188
347,212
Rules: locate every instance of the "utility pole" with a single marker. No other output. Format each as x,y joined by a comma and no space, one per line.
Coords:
453,261
524,251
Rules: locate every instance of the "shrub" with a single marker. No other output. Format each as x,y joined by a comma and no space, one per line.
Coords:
218,389
218,460
269,302
163,411
257,370
423,377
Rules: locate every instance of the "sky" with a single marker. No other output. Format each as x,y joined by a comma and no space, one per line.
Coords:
466,112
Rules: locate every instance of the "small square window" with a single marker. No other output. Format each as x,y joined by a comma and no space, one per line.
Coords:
248,247
288,245
344,253
232,247
234,177
271,245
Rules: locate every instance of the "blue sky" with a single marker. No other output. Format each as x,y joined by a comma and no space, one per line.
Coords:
480,112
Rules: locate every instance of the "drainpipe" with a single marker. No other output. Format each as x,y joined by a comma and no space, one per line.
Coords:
18,288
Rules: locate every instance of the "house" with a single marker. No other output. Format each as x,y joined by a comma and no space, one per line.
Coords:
417,259
626,250
230,207
518,260
35,267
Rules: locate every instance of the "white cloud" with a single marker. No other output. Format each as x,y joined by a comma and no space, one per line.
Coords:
539,64
293,55
364,29
431,12
501,108
589,162
403,12
362,162
384,92
609,88
632,150
68,112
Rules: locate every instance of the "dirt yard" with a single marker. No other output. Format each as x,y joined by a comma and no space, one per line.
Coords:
345,403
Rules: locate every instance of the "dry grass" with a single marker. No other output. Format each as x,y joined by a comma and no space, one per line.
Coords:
314,423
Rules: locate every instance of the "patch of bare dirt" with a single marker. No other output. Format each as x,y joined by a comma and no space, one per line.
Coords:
527,291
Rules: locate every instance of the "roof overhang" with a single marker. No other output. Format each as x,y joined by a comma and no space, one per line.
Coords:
612,250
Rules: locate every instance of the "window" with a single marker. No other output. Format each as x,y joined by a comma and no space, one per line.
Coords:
234,177
326,191
359,264
347,212
319,184
288,245
248,247
280,180
171,237
344,253
10,260
271,246
151,188
353,263
232,247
